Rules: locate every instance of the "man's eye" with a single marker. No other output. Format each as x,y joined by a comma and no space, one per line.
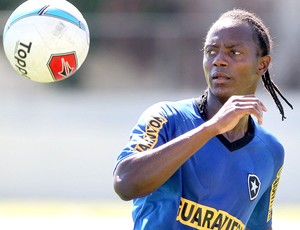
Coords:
210,52
235,52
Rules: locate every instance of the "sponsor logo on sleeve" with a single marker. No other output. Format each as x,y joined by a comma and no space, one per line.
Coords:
150,137
273,193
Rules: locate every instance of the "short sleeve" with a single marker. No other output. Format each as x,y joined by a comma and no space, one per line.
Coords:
148,133
261,217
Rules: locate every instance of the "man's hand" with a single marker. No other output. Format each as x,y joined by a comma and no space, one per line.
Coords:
236,108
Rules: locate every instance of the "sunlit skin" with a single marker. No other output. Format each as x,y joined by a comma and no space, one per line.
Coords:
233,68
230,61
228,118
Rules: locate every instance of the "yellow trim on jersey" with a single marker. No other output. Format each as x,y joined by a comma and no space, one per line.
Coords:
150,138
273,193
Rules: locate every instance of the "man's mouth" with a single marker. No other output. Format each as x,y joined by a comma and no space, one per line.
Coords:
220,77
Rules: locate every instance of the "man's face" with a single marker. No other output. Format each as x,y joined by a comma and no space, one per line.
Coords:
230,60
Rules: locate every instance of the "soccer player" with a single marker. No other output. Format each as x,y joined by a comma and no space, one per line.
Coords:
207,163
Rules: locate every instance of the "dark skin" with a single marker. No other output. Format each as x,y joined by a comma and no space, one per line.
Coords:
232,69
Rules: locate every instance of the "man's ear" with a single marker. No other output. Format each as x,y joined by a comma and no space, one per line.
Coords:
263,64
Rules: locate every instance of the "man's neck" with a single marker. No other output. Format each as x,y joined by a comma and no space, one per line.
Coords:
213,106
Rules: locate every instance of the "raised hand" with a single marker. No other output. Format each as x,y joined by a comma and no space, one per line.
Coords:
235,109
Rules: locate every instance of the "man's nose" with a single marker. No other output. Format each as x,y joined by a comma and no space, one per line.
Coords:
220,59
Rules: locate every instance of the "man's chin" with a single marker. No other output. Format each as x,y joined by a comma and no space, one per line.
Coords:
222,94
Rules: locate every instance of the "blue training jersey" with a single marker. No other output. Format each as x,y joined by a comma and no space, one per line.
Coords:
224,185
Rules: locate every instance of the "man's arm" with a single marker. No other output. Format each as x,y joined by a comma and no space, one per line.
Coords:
142,173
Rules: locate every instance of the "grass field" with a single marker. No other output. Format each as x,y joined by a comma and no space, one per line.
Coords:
62,215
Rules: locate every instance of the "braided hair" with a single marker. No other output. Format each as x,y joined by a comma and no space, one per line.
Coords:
264,42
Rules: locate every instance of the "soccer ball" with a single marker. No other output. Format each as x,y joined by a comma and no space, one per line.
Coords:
46,40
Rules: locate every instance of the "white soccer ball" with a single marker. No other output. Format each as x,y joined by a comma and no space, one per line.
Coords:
46,40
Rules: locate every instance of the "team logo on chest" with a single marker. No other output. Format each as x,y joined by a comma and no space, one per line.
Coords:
253,186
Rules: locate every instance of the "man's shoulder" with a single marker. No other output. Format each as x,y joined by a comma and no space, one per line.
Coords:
171,108
267,137
271,142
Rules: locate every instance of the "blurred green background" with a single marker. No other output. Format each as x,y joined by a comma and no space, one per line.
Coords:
59,141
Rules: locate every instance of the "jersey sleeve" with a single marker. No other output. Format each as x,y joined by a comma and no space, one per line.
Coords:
149,132
261,217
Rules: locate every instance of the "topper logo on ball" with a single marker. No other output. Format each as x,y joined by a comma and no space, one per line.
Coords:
22,50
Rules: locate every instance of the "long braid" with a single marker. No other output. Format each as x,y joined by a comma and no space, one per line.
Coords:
202,105
273,89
